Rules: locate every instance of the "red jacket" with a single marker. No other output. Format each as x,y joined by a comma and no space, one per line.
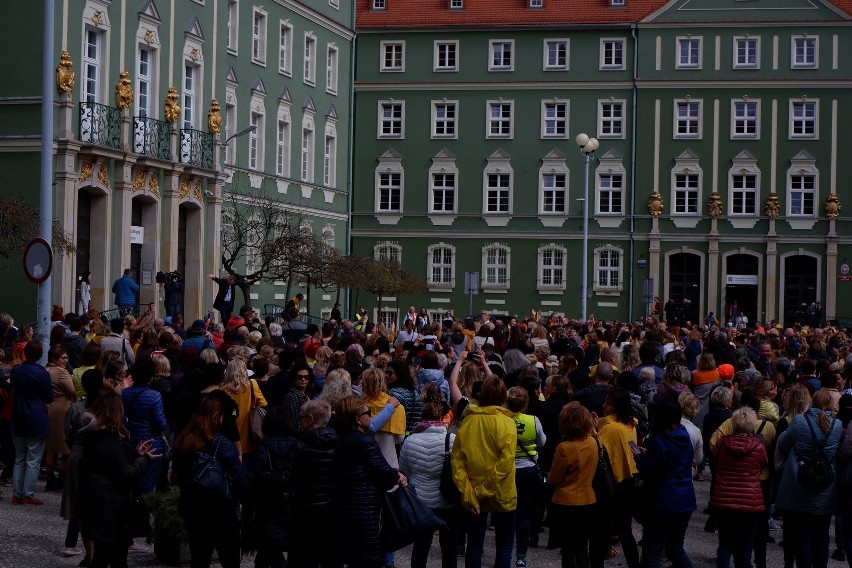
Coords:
736,482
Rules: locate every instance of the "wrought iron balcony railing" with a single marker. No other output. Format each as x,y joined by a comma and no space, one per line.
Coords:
196,148
152,137
100,125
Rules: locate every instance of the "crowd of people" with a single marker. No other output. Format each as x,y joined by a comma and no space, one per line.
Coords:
277,435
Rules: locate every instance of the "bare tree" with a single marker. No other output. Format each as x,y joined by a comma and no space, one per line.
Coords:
378,277
20,222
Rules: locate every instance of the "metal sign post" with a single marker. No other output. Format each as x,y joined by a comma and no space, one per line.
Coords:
471,288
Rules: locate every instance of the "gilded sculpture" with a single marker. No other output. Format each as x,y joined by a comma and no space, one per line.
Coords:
214,118
832,206
103,176
154,184
655,204
172,106
138,181
65,74
714,205
86,170
772,208
123,91
185,187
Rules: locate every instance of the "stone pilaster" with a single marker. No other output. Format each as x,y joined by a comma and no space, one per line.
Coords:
830,295
771,286
713,277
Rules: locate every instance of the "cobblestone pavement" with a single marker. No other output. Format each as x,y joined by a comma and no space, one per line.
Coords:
32,536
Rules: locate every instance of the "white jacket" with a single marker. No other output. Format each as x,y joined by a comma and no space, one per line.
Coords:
421,459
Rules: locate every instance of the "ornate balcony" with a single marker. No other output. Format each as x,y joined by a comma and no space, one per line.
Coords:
152,137
100,125
196,148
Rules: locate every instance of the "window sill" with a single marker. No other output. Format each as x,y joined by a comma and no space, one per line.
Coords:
612,222
496,290
388,218
258,62
442,219
497,221
743,222
686,222
552,220
551,291
802,224
607,291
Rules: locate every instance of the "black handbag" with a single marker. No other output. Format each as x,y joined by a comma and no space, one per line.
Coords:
139,518
208,475
816,473
448,488
404,517
603,483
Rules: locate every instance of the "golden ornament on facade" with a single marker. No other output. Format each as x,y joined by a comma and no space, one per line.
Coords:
172,106
832,206
655,204
103,176
184,189
138,182
154,184
196,190
714,205
86,170
772,208
214,118
123,91
65,74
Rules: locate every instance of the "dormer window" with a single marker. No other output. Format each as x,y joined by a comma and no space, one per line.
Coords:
379,5
536,3
617,3
456,4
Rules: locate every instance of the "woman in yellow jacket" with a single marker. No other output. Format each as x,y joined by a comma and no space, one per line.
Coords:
239,387
616,430
573,502
483,460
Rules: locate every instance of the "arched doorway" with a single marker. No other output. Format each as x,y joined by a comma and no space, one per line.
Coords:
144,245
92,246
800,286
741,292
684,287
189,259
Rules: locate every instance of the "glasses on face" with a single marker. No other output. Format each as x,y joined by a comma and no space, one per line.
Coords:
300,377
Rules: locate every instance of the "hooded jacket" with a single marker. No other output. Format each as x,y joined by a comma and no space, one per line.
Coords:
667,470
432,376
483,459
736,481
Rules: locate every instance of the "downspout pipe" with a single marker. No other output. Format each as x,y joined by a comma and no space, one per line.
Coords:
634,113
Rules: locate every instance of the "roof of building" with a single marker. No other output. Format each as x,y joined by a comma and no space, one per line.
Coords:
500,13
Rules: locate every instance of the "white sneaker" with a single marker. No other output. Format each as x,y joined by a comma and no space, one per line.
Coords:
72,552
138,547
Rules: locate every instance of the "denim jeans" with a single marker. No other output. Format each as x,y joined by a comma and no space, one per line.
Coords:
527,481
447,537
147,481
665,531
28,452
737,531
809,535
504,538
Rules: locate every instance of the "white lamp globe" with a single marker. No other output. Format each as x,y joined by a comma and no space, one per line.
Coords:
582,139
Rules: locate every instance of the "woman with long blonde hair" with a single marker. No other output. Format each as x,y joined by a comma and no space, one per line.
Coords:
376,397
241,389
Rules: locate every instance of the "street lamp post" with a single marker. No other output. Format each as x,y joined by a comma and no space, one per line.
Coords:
587,149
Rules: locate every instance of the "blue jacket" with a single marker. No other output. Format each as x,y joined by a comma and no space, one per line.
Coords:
143,415
432,376
666,467
31,384
797,441
199,342
125,290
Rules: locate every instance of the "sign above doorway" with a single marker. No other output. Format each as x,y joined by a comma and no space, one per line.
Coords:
741,279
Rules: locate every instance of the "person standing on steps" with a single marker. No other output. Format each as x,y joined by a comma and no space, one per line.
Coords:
125,290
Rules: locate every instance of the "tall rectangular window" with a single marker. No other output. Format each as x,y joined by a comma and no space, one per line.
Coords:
555,54
802,194
803,119
608,269
686,194
443,192
307,155
143,83
441,265
329,162
688,53
91,66
446,55
804,52
232,24
745,119
499,120
331,70
743,194
282,149
498,193
610,194
189,81
444,119
393,56
390,191
285,49
611,119
496,267
258,38
230,125
555,119
688,119
310,59
746,55
612,54
500,56
254,142
391,120
553,193
551,267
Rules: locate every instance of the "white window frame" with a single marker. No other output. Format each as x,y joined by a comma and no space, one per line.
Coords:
258,36
189,95
437,56
743,190
92,89
282,148
548,192
329,160
232,26
307,143
555,271
547,64
443,164
334,4
550,122
285,48
445,122
808,61
492,271
383,120
603,256
145,77
607,121
498,48
745,116
799,119
499,121
331,68
387,250
685,111
256,139
610,55
390,167
498,164
378,4
536,4
456,4
692,48
309,74
230,123
394,49
447,268
802,166
740,63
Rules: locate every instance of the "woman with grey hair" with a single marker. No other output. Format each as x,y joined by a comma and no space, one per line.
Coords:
629,357
514,363
275,332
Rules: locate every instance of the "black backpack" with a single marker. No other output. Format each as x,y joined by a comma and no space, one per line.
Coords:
817,472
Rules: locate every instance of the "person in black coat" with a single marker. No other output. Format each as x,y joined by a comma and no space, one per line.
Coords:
361,474
227,295
211,521
271,469
312,542
108,471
